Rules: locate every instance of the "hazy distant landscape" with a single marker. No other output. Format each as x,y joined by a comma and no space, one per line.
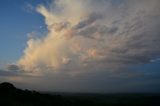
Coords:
12,96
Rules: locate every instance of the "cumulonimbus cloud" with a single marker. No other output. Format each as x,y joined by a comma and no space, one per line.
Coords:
85,35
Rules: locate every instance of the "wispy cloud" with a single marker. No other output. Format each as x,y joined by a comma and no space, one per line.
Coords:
28,7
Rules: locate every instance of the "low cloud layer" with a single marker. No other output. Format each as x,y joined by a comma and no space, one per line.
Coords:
4,73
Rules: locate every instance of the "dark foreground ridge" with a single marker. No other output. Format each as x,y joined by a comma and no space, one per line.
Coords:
11,96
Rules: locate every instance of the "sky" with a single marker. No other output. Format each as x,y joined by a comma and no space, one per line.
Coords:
103,46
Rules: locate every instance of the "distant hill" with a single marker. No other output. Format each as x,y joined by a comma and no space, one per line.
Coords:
12,96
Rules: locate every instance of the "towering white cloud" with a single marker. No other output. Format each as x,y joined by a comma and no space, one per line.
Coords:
90,35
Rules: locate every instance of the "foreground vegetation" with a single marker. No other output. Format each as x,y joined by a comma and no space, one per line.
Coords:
11,96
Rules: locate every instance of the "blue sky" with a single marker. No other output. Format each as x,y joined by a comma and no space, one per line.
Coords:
17,20
81,45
